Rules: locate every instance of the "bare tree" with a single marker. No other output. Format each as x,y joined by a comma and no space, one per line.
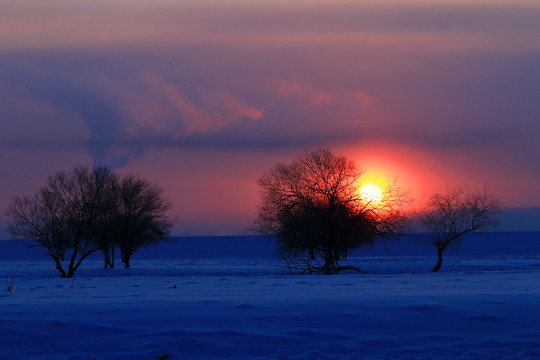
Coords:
455,213
61,217
84,211
313,207
140,218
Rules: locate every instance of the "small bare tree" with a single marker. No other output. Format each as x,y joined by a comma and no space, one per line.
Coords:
313,207
457,212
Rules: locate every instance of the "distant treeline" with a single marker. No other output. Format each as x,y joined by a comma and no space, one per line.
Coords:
263,247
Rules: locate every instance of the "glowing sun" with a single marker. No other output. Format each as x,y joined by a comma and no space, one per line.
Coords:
371,193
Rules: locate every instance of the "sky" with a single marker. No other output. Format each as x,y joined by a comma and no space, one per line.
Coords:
202,97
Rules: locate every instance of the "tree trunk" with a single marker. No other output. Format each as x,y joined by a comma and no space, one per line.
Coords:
330,262
58,262
72,267
126,257
109,258
440,252
111,264
106,257
60,268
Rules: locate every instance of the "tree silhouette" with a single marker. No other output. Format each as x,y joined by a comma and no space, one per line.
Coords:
87,210
61,217
140,218
313,207
455,213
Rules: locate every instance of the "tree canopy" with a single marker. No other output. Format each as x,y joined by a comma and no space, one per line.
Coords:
86,210
313,206
450,215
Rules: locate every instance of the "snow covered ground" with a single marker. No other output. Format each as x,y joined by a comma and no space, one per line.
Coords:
238,303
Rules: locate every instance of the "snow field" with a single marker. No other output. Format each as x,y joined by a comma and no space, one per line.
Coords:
247,308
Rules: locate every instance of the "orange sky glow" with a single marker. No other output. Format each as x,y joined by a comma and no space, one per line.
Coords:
203,97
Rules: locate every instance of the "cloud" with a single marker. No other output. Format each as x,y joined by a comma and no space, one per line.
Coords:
124,118
61,95
310,95
155,112
466,25
321,97
304,93
363,98
154,106
233,106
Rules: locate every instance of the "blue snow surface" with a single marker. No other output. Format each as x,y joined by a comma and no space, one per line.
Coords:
230,298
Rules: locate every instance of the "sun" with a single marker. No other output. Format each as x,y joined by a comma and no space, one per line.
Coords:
371,194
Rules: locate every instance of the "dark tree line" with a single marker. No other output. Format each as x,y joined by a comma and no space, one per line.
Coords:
313,207
87,210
